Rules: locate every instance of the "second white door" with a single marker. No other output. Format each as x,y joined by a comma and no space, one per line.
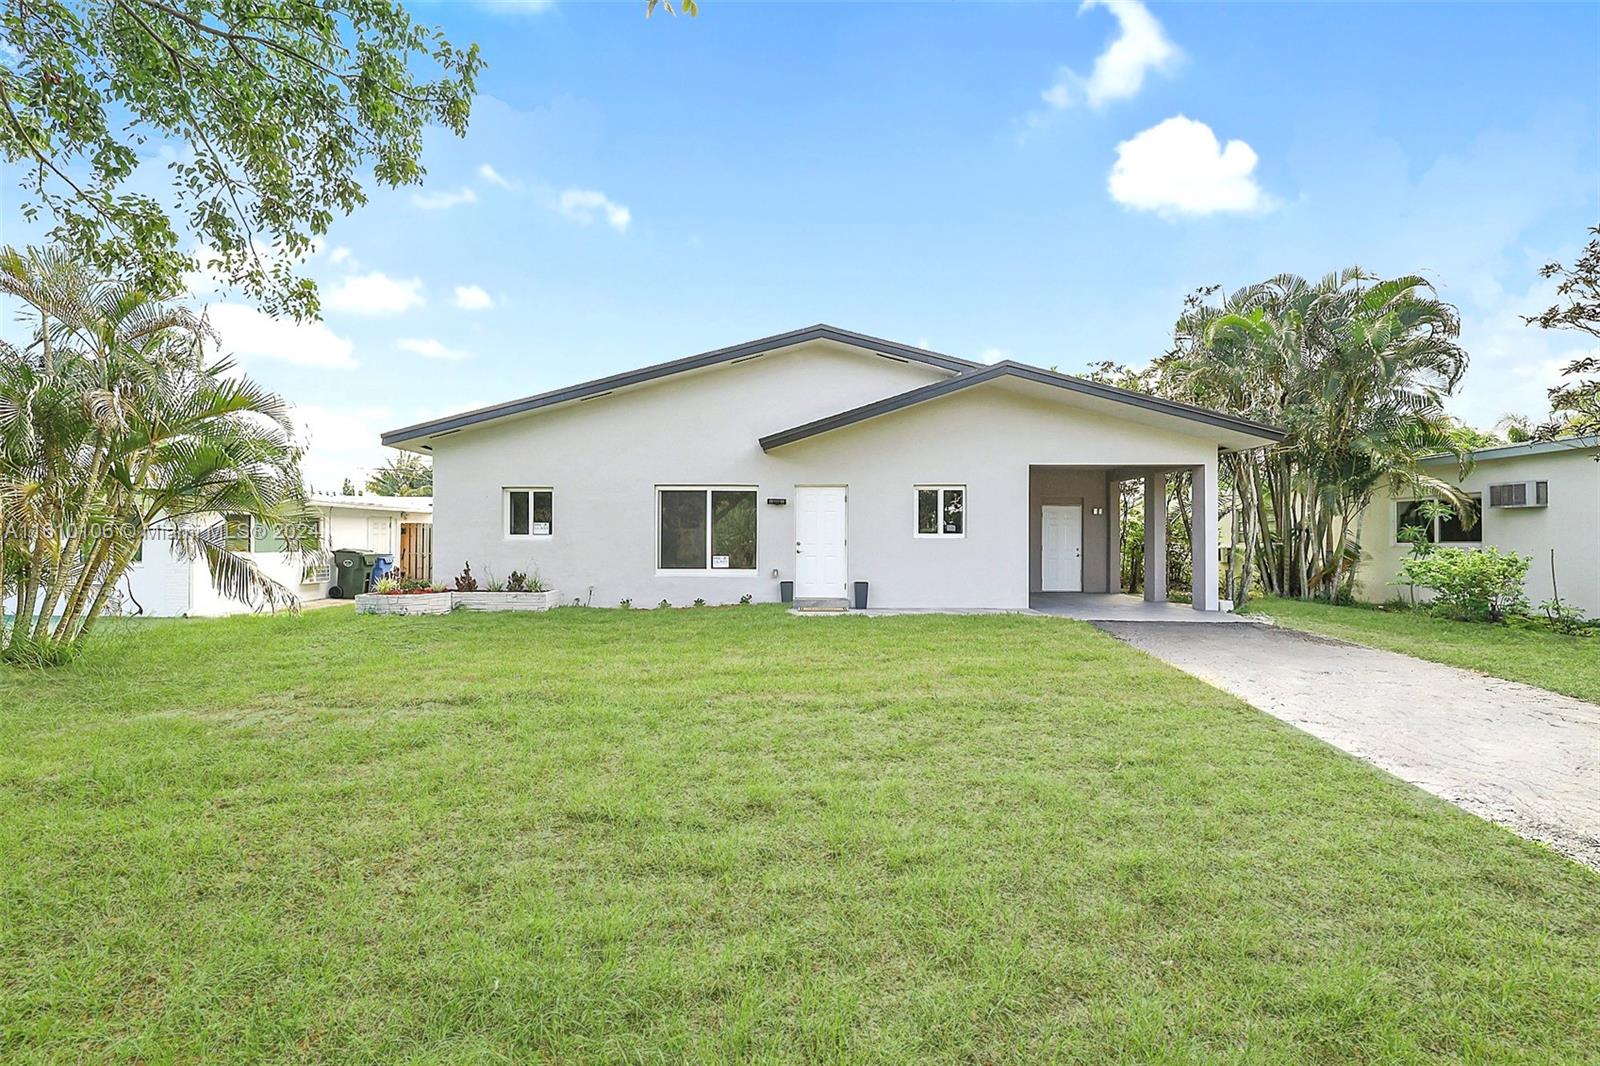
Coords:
1061,548
380,536
820,527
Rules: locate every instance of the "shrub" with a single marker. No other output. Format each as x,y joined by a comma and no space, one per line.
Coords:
1480,584
626,604
1564,618
663,605
744,601
1342,594
466,582
386,586
699,601
517,582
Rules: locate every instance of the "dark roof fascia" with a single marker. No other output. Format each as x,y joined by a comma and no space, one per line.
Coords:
748,349
1025,372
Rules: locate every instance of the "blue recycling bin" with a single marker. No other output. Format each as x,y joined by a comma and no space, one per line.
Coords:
384,565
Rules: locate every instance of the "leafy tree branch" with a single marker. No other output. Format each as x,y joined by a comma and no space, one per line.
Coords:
279,111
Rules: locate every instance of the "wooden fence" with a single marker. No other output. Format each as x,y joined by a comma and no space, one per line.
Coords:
416,550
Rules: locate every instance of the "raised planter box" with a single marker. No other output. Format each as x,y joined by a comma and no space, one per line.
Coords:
409,603
506,601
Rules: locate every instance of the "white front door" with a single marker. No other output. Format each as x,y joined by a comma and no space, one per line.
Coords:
820,526
380,536
1061,548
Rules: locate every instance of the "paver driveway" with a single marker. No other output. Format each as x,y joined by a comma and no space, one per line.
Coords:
1517,755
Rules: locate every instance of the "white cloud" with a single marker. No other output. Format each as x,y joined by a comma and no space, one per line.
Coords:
250,335
439,201
993,355
429,348
340,255
473,298
585,205
494,177
342,443
1178,167
1140,46
1514,364
375,294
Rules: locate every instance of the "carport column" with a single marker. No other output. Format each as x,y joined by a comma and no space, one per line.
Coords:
1203,561
1155,537
1113,535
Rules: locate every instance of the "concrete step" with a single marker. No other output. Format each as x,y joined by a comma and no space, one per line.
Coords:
825,606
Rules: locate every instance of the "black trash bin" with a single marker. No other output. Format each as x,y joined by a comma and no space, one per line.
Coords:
859,602
352,573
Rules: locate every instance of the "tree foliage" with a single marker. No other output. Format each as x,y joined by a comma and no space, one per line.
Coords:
1575,404
114,421
403,475
277,107
1356,370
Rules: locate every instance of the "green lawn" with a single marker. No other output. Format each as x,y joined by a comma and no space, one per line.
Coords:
1521,650
733,834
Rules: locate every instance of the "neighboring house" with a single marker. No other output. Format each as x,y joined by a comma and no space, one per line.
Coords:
163,585
1530,498
822,457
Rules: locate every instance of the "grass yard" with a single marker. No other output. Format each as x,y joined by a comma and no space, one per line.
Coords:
731,834
1517,651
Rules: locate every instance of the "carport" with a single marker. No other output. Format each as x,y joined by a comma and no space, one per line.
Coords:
1075,539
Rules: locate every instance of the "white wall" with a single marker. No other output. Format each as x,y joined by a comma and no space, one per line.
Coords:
168,587
160,582
1570,525
604,458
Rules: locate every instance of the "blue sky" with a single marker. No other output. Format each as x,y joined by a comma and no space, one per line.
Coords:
1029,179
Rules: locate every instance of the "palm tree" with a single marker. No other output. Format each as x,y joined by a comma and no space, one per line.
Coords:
403,475
1518,428
1356,369
113,422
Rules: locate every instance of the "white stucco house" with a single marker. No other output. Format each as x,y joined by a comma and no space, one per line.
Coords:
1530,498
162,584
823,458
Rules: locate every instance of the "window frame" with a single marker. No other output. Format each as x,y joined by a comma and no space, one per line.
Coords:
708,571
231,518
941,488
1434,538
263,537
505,512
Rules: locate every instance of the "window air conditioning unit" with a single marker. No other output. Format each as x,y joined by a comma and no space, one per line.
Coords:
1520,494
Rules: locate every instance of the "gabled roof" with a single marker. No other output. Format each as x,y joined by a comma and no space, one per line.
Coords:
1022,371
746,350
1517,451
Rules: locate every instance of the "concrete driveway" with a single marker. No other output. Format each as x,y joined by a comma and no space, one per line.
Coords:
1517,755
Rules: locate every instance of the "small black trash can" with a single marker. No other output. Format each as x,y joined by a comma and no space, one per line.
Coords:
859,601
786,591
